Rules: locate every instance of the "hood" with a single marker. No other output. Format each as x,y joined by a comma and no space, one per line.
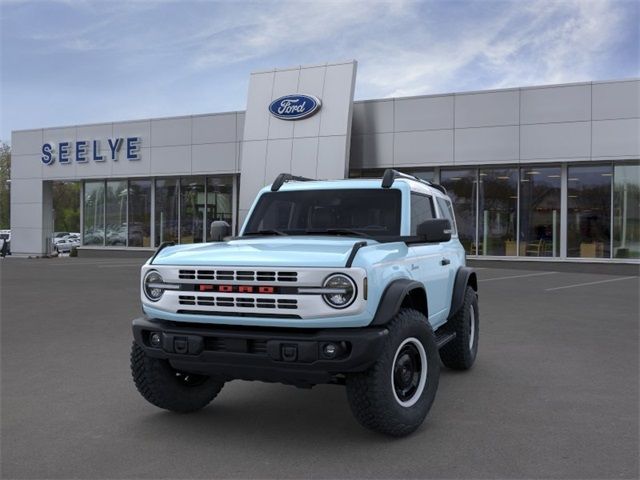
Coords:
289,251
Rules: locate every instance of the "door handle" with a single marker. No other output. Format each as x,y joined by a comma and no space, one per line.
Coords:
445,261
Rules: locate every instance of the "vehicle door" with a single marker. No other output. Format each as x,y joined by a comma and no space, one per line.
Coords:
426,261
453,253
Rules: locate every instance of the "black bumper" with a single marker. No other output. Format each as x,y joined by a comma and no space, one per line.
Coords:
294,356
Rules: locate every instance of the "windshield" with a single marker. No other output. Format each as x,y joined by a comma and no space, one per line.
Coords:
359,212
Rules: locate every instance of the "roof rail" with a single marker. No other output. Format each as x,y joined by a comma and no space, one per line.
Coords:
287,177
390,175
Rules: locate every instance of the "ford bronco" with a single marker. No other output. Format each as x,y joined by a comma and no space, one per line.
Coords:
357,282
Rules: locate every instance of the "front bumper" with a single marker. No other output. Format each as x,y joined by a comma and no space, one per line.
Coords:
293,356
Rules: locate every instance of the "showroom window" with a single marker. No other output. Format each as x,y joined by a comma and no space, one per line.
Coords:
498,207
167,210
116,213
589,211
139,213
540,191
461,187
93,213
626,211
219,201
192,205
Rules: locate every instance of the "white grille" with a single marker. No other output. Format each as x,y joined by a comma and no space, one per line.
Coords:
228,275
238,302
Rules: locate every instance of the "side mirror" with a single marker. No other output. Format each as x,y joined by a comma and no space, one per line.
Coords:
435,231
219,229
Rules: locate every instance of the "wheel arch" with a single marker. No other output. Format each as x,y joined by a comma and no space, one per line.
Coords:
401,293
465,276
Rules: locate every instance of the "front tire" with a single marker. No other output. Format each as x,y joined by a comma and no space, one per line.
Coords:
163,386
461,352
395,394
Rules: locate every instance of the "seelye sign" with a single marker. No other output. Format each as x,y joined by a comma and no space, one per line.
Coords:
295,107
84,150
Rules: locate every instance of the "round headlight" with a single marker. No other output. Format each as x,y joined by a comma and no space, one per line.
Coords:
151,289
343,291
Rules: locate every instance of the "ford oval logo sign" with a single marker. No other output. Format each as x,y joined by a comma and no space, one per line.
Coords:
294,107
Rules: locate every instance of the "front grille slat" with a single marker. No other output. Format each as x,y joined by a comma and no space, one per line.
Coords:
238,302
238,275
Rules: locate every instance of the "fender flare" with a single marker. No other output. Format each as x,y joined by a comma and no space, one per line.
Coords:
393,297
464,276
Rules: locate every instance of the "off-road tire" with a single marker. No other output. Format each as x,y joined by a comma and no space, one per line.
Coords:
371,393
458,354
161,385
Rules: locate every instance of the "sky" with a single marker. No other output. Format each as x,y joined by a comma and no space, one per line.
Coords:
76,62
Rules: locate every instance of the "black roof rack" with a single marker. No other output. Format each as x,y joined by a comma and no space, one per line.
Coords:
287,177
390,175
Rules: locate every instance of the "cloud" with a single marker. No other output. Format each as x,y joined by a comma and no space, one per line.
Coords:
528,43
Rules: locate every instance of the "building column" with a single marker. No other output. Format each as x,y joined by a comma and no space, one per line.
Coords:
31,216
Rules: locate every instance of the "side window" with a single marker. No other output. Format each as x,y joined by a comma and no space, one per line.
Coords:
447,211
421,210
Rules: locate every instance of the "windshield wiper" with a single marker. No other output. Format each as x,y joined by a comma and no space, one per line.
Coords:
338,231
265,232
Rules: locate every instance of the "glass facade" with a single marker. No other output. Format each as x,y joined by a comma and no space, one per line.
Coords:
517,211
166,209
589,211
498,207
139,213
540,191
116,213
626,211
192,209
219,201
127,212
461,186
501,211
93,208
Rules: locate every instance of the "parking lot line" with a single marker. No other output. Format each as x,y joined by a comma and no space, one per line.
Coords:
588,283
517,276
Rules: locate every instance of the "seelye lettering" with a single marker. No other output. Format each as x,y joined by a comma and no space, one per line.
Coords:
83,150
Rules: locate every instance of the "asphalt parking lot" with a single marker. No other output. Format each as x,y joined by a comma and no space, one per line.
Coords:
554,392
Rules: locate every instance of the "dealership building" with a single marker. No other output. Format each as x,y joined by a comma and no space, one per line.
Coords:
546,173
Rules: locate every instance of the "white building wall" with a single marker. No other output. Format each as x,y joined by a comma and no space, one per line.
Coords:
565,123
317,146
188,145
578,122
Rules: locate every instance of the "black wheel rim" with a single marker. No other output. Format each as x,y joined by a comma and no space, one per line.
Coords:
406,372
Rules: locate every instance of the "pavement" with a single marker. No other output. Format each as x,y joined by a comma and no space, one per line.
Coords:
554,392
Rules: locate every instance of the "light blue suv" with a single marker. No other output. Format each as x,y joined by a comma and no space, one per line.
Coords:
358,282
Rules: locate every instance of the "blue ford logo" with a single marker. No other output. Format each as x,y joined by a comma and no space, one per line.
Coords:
294,107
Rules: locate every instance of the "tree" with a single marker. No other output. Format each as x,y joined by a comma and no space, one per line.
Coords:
66,204
5,176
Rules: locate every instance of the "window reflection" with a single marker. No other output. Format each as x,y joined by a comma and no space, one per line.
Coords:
192,210
498,202
166,205
219,200
540,211
461,187
116,213
626,211
589,211
140,213
93,213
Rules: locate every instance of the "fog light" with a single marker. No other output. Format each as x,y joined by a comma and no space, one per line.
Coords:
155,340
330,350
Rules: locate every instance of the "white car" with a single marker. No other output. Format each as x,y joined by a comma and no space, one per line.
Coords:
66,244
